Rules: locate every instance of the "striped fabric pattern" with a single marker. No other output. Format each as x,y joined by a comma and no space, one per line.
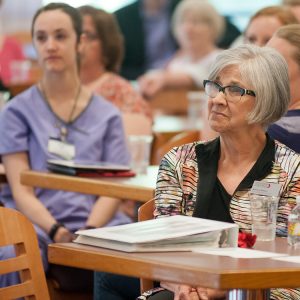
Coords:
177,188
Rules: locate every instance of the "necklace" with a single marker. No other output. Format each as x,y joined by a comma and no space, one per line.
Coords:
60,124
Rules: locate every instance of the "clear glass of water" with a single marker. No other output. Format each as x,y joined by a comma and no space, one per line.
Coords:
140,148
264,215
197,102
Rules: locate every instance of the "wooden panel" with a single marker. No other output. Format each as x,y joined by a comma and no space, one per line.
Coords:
15,292
14,264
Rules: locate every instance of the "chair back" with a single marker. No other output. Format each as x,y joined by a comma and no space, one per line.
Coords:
17,230
145,212
179,139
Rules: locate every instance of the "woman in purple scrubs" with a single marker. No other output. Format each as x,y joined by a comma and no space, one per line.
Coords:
58,118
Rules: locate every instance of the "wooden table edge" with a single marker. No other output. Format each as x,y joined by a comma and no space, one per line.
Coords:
83,185
114,262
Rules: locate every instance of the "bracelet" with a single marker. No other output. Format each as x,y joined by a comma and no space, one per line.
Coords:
89,227
53,230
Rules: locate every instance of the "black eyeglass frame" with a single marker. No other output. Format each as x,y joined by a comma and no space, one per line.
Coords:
222,88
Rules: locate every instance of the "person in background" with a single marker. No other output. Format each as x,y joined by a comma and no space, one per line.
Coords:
197,26
286,40
294,6
149,42
265,22
213,179
10,50
259,30
100,61
41,122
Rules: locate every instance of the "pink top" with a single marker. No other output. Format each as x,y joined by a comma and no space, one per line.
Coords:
11,50
121,93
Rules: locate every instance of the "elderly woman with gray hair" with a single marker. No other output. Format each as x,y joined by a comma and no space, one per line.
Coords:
248,88
197,27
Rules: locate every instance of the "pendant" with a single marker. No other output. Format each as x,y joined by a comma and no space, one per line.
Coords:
63,133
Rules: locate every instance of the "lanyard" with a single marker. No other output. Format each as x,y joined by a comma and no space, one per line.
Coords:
62,129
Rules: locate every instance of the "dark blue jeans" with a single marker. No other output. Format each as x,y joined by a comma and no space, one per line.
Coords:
109,286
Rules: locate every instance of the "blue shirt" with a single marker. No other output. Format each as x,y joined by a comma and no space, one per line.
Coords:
287,130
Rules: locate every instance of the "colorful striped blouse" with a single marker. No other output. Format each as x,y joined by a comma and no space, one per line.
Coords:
177,183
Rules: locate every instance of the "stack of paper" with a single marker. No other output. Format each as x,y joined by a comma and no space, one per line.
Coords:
175,233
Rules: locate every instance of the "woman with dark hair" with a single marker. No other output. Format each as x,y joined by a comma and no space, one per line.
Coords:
101,58
58,118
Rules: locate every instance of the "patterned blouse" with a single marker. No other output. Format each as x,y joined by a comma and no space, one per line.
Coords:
120,92
177,185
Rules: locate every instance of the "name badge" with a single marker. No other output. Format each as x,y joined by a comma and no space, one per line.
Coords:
62,149
265,188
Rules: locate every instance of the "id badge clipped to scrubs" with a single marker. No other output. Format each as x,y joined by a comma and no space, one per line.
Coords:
61,148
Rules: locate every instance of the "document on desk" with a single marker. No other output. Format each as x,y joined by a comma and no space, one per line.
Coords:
239,252
292,259
88,168
174,233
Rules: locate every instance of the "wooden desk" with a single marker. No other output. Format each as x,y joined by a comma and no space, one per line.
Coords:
140,187
187,267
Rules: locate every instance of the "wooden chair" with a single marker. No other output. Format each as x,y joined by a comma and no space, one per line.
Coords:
17,230
145,212
177,140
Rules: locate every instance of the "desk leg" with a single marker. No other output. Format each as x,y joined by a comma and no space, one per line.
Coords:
239,294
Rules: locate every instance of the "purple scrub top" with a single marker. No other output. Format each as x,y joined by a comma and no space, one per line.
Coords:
27,123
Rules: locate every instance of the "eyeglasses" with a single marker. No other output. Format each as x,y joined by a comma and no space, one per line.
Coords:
91,36
233,92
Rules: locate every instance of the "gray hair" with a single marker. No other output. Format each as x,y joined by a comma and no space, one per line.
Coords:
266,72
205,13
